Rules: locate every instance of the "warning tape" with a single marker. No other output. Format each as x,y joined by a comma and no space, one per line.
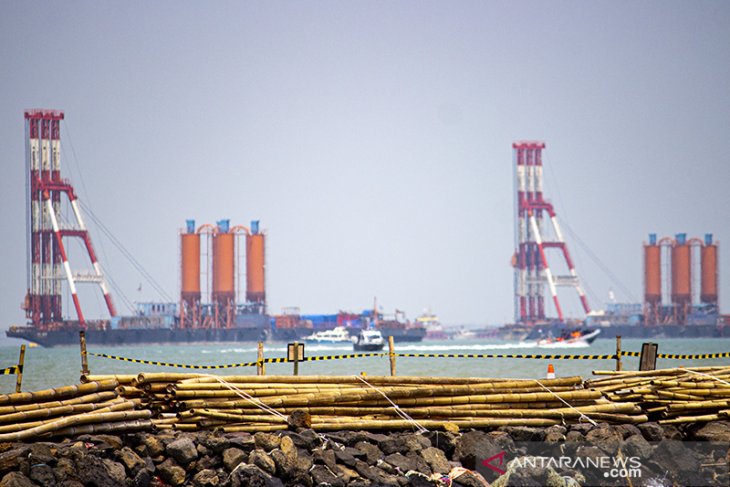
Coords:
10,370
231,366
520,356
279,360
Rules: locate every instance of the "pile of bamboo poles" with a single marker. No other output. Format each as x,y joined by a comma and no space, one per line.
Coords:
680,395
192,402
92,407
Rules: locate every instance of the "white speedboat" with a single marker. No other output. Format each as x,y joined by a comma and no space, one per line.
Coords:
368,341
578,338
335,335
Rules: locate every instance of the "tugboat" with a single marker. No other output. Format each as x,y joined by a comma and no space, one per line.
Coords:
368,341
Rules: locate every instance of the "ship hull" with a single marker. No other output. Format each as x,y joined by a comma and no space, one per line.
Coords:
55,338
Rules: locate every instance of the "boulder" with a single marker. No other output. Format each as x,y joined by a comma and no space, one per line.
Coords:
605,437
206,478
262,460
16,479
524,433
299,419
232,457
131,461
713,431
183,450
407,463
266,441
252,476
474,447
651,431
371,452
171,472
322,475
436,459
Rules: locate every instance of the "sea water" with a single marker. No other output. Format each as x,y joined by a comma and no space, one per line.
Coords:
53,367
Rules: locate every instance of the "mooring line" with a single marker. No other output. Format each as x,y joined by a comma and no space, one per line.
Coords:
710,376
397,408
581,413
244,395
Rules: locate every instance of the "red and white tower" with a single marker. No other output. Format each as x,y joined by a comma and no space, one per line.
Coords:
49,264
532,271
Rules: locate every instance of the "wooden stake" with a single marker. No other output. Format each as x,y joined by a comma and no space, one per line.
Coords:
619,365
84,358
21,359
260,367
391,354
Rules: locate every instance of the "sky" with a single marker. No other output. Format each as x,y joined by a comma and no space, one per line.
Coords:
373,140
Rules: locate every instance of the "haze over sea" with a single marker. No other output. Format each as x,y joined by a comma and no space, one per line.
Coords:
54,367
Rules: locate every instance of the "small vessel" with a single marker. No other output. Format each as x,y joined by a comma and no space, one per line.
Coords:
434,329
570,338
368,341
464,334
338,334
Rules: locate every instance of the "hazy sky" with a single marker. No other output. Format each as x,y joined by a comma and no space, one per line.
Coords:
373,139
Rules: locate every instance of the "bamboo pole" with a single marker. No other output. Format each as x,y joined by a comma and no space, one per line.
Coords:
89,398
84,357
125,379
260,366
19,374
391,355
619,365
60,392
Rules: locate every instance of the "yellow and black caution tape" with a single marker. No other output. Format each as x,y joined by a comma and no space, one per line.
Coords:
694,357
230,366
10,370
518,356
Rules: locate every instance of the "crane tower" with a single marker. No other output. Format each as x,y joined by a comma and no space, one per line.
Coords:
532,271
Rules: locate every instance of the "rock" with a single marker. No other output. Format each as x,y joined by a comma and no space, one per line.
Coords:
208,462
262,460
242,440
103,442
713,431
215,443
325,457
444,441
154,445
131,461
436,460
346,473
636,446
321,475
65,470
405,443
299,419
10,459
92,470
473,447
16,479
306,438
555,434
678,463
408,463
651,431
372,453
267,441
252,476
142,479
470,479
627,430
232,457
524,433
583,428
171,472
345,457
605,437
206,478
671,432
574,437
183,450
42,474
375,474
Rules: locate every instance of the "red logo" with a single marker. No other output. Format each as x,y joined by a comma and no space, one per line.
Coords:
500,457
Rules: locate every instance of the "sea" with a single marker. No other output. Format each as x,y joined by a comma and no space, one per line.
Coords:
53,367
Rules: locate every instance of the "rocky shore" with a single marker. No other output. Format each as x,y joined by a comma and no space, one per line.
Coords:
303,457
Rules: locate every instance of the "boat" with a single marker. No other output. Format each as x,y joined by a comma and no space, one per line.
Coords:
578,338
368,341
434,329
338,334
464,334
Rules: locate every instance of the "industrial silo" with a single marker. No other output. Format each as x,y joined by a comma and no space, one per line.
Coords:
255,265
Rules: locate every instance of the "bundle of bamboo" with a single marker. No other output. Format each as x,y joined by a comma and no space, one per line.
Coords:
192,402
680,395
91,407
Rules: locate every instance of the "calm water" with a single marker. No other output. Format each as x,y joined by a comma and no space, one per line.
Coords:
45,368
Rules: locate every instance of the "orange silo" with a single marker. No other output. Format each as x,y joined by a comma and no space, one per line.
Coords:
652,271
255,265
190,262
681,271
224,260
190,277
708,280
